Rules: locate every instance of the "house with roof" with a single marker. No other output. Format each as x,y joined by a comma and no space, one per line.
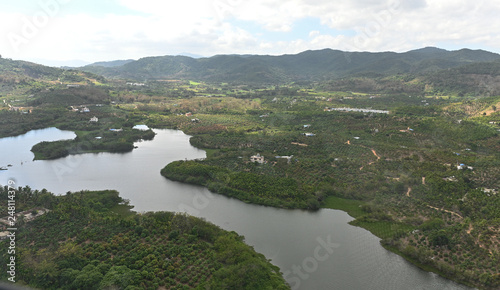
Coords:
490,190
462,166
257,158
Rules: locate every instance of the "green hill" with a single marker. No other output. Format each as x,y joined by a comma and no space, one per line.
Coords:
23,70
308,66
21,82
111,63
13,68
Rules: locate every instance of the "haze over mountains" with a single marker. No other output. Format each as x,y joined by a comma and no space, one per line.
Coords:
429,71
318,65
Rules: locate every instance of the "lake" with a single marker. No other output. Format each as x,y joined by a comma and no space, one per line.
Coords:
314,250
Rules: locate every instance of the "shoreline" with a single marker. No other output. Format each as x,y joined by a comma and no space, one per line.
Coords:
347,206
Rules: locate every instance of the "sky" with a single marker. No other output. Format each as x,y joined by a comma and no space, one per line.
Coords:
73,32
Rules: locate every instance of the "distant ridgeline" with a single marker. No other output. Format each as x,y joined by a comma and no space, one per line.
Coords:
319,65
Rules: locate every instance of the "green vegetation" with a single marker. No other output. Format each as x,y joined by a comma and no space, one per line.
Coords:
374,220
86,142
395,173
84,243
246,186
308,66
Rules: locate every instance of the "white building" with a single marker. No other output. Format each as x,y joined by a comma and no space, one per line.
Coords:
257,158
463,167
289,158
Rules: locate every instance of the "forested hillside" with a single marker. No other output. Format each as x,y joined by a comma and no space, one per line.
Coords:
91,240
307,66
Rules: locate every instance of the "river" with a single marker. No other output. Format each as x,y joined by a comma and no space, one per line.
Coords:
314,250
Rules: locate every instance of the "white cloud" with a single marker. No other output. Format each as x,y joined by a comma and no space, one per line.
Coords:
314,33
211,27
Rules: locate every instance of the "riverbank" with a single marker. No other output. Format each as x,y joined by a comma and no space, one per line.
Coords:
385,230
427,267
245,186
96,141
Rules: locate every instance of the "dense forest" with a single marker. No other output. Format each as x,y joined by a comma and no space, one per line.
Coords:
92,141
91,240
304,67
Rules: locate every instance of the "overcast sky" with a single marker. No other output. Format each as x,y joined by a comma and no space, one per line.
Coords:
91,30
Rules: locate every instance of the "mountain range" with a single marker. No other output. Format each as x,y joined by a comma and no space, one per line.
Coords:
307,66
430,71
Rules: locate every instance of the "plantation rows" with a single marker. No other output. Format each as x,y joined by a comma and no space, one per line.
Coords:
82,243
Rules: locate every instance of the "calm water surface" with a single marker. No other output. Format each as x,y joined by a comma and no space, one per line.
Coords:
315,250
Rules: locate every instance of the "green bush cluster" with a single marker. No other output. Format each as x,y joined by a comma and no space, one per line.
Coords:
85,242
